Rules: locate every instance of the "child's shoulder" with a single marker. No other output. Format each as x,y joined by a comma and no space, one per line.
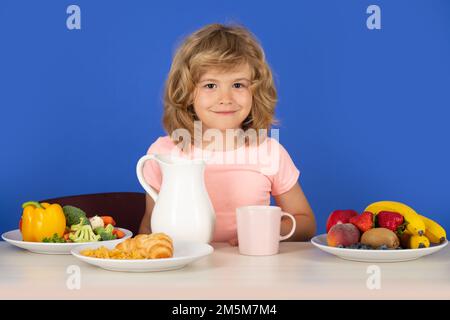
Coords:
161,145
272,144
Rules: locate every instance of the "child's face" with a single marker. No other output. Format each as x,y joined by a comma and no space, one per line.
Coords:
223,100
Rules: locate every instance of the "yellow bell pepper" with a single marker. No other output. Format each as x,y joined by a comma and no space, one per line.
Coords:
42,220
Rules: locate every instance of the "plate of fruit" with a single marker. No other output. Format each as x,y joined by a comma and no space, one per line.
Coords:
52,229
386,231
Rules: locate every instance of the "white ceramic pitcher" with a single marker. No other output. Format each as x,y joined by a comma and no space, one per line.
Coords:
183,209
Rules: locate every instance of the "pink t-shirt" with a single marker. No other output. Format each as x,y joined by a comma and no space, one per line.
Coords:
242,177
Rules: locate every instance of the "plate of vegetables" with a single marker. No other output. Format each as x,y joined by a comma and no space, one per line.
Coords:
52,229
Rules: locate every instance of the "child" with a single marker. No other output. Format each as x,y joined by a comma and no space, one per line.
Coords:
219,81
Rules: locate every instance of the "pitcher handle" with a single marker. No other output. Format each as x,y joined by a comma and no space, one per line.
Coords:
140,175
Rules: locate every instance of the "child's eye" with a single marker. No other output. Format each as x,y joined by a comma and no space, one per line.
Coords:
239,85
209,85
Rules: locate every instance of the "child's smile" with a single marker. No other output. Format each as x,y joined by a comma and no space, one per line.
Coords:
225,113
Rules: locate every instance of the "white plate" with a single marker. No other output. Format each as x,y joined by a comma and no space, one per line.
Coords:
320,242
14,237
183,254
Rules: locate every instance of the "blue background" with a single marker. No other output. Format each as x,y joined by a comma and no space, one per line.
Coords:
364,113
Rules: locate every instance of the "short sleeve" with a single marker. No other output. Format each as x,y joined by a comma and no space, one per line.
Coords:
152,171
286,175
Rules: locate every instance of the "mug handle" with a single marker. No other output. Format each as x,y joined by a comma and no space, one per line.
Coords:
294,225
140,175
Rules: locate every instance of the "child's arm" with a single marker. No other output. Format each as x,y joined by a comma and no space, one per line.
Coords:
145,223
295,203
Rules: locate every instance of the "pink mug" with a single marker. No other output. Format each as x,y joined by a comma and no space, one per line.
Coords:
259,229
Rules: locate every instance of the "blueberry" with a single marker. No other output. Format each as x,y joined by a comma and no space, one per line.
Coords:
340,246
383,247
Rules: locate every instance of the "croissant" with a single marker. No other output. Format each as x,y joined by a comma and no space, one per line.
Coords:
148,246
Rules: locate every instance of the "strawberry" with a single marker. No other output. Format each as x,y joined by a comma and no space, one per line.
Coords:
364,221
390,220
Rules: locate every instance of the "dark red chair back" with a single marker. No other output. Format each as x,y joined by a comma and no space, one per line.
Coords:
127,208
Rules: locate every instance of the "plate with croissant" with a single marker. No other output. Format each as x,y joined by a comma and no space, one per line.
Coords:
143,253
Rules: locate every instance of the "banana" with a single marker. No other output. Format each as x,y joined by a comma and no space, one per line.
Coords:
414,241
433,230
415,225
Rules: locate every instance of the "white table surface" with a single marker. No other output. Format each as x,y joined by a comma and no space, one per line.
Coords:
299,271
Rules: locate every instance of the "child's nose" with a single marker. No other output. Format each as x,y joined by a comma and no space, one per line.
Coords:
225,96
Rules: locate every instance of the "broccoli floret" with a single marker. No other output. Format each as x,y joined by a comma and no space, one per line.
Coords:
55,239
109,228
83,222
106,233
107,236
74,215
84,234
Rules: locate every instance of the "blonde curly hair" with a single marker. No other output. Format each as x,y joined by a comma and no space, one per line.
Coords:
223,48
